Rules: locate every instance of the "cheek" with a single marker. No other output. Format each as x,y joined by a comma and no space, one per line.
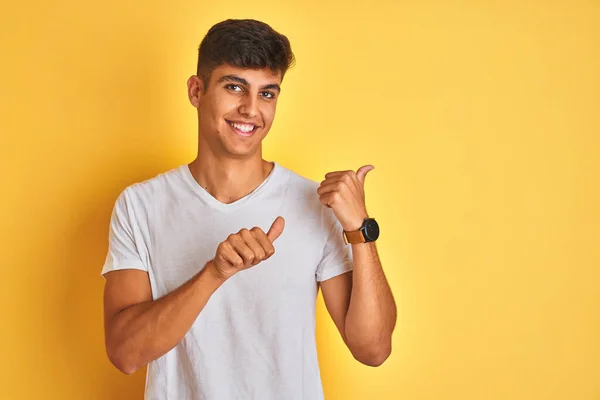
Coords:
229,109
269,115
222,107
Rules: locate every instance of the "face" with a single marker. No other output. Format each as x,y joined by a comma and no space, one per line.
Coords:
237,109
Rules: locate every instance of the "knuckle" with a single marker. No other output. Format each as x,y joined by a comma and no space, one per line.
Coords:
249,255
238,262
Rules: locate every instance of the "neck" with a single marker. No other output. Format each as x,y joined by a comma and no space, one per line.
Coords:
228,180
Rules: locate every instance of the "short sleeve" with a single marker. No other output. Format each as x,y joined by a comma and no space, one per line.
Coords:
122,249
337,256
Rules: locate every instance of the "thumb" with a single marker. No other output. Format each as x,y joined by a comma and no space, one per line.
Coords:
362,172
276,229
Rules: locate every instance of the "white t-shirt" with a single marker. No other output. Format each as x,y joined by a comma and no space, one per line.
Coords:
255,338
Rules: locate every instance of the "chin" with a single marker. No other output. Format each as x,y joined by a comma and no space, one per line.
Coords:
241,151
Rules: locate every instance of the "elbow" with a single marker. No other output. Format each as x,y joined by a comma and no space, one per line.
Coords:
126,369
373,356
375,359
121,360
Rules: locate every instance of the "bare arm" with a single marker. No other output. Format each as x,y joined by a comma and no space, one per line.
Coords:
139,330
362,306
361,303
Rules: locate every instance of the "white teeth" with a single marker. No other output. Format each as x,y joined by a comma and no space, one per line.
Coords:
242,127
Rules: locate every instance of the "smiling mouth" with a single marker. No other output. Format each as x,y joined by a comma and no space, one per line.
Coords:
243,129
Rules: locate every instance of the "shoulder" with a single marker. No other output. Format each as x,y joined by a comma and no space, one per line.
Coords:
304,191
145,192
298,182
300,190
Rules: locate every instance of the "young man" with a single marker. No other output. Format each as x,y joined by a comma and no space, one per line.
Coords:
213,267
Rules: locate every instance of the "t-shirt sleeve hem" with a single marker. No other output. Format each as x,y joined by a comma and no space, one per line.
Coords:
121,266
333,272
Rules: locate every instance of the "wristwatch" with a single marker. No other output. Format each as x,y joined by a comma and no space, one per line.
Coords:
368,232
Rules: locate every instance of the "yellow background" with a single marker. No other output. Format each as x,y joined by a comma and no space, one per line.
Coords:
482,122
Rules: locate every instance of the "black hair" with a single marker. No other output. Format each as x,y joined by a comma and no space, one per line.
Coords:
244,43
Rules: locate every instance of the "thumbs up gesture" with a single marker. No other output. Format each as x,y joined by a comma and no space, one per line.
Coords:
344,193
245,249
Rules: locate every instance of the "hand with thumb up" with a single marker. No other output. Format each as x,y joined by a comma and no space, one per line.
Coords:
245,249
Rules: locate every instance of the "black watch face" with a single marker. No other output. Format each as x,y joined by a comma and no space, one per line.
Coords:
371,230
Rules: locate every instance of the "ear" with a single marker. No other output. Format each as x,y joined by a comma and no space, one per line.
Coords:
195,90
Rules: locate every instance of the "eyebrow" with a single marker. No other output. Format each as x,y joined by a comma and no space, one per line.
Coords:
237,79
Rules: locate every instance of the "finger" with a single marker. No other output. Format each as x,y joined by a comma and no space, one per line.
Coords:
263,240
242,249
229,255
336,173
330,186
276,229
252,243
363,171
348,178
329,199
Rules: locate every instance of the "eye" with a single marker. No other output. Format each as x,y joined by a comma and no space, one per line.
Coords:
268,95
234,88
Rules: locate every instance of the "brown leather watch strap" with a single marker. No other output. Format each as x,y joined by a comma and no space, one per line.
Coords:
353,237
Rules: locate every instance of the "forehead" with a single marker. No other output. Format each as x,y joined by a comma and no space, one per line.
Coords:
258,77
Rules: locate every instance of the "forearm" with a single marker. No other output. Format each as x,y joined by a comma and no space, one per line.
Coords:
143,332
371,316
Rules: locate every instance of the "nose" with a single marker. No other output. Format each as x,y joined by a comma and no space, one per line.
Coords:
248,107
